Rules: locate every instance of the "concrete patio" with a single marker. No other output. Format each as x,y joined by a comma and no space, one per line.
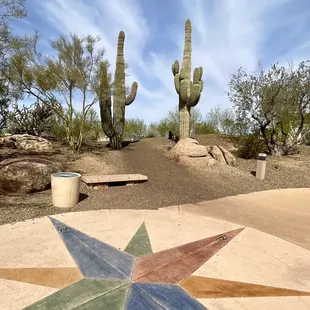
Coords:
223,254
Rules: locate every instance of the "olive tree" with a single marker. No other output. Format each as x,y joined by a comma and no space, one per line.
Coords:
276,101
61,81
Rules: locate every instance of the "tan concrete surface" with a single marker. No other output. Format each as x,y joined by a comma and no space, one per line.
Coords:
251,257
283,213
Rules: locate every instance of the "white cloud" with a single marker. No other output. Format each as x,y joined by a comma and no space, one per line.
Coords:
226,34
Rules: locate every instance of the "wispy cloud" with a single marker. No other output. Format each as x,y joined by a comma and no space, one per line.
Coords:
226,34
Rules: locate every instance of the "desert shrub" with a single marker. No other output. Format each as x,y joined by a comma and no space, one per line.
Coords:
135,129
152,131
250,145
171,123
92,125
204,128
4,111
91,129
36,120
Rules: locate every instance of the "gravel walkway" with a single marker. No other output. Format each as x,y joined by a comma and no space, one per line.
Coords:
169,184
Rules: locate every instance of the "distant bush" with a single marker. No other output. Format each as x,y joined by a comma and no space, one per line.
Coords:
35,120
250,145
152,132
204,128
197,124
135,129
92,127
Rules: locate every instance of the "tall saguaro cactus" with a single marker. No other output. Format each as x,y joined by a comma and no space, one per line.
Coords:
113,126
188,91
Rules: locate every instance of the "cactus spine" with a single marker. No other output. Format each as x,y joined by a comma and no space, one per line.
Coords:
113,126
189,91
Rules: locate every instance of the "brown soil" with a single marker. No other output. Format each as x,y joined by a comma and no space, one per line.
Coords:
169,182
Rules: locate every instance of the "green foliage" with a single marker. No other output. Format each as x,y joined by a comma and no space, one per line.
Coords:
277,102
60,81
135,129
9,10
33,120
171,123
4,105
92,127
152,131
204,128
113,124
222,119
251,145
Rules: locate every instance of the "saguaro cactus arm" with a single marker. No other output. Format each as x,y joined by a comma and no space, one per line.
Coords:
176,73
175,67
196,87
132,95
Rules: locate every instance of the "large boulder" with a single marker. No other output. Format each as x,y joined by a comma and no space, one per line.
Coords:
25,142
230,158
190,152
27,175
188,147
198,162
217,154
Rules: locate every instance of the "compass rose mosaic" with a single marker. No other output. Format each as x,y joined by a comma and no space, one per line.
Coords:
135,278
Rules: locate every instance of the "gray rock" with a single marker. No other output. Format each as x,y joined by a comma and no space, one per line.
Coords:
188,147
217,154
27,175
197,162
25,142
230,158
190,152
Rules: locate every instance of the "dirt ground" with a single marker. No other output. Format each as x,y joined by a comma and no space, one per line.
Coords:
169,182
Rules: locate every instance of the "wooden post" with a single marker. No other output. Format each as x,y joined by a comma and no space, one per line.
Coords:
261,166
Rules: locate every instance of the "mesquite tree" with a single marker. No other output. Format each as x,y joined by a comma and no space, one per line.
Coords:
277,102
9,10
61,82
189,91
113,124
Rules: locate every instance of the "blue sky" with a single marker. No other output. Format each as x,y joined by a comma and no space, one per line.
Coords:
226,34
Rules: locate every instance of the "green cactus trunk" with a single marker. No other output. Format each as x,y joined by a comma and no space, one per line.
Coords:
119,97
113,126
184,121
189,91
116,142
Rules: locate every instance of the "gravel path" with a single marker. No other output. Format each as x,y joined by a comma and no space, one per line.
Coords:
169,184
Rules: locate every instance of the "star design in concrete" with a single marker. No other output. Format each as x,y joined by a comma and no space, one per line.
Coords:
135,278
